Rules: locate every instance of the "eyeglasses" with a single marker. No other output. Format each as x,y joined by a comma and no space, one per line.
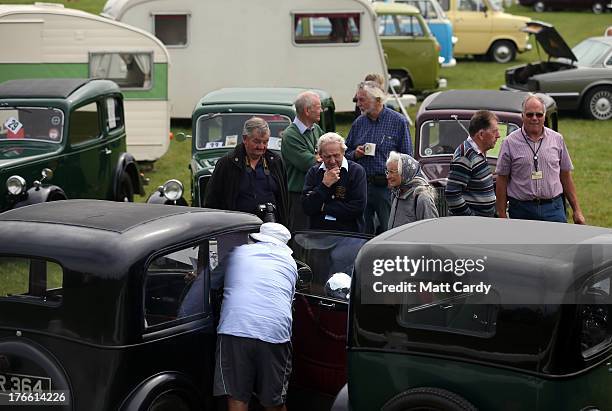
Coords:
537,114
387,172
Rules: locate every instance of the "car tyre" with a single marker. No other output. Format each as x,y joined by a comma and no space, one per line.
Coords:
539,7
598,7
502,51
426,398
597,104
126,189
169,402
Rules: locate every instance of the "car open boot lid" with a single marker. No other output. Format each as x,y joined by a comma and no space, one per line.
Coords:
550,40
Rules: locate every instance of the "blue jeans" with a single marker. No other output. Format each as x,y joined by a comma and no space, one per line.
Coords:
530,210
379,204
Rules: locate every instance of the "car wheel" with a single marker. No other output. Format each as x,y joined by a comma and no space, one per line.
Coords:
598,103
597,7
428,398
169,402
539,6
126,189
502,51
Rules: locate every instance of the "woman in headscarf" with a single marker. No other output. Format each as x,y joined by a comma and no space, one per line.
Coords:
413,197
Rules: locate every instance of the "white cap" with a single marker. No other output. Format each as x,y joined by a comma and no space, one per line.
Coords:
272,233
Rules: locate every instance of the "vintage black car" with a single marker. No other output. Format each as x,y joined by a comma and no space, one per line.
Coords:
115,305
67,131
538,338
443,119
578,78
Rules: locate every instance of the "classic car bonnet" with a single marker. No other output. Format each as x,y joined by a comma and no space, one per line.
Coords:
550,40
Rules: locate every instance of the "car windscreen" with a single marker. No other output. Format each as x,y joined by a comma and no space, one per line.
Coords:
590,52
31,123
442,137
225,130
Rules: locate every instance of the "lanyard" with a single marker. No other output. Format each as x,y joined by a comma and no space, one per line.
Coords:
535,153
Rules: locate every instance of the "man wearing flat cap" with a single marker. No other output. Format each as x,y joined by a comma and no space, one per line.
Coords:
254,333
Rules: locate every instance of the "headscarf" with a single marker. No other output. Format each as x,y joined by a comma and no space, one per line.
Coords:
410,173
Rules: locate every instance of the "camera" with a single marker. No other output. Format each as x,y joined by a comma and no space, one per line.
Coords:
266,212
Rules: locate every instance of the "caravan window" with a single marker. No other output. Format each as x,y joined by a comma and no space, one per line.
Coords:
128,70
324,28
171,29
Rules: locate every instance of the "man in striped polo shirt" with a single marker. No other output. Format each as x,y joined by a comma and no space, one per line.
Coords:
534,170
469,190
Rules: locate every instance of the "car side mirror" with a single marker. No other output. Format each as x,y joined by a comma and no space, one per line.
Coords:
304,278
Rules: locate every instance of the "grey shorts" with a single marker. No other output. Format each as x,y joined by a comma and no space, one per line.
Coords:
246,365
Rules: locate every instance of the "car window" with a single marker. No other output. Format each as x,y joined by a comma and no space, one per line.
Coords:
590,52
461,313
32,123
426,8
442,137
594,312
171,29
469,5
324,28
445,5
326,254
30,279
114,113
225,130
409,26
188,282
128,70
84,124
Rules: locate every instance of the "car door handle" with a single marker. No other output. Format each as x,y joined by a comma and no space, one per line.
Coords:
327,305
106,151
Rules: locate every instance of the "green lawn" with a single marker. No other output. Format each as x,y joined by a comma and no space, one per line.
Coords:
588,141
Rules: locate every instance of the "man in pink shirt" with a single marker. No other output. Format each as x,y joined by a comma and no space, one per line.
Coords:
534,171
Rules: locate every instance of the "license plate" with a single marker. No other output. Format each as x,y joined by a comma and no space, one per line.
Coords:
24,383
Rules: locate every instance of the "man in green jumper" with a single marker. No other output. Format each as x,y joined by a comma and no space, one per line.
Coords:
298,150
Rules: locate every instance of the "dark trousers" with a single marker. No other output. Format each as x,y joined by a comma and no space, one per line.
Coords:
297,219
379,205
531,210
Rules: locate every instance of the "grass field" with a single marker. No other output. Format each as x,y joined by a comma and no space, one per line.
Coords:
589,142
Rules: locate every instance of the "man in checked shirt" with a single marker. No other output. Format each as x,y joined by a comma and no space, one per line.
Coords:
373,135
534,170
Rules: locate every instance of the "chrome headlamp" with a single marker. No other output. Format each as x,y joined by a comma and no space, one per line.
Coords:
15,185
172,190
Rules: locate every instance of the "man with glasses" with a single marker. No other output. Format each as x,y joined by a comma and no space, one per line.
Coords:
373,135
335,192
469,190
534,171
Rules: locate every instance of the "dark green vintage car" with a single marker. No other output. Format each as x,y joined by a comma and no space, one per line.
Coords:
217,123
69,130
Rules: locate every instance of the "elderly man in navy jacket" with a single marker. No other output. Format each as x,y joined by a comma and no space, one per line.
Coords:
335,192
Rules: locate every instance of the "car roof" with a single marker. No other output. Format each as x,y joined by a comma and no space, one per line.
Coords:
493,100
51,88
257,95
387,8
109,231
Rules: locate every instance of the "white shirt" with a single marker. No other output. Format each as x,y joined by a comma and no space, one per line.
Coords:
258,292
344,164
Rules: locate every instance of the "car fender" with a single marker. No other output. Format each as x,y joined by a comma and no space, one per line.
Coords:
599,83
143,396
22,350
41,194
127,164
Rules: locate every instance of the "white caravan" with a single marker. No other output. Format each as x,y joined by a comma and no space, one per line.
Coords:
50,41
329,45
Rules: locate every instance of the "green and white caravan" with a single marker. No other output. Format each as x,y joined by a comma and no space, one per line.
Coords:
50,41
